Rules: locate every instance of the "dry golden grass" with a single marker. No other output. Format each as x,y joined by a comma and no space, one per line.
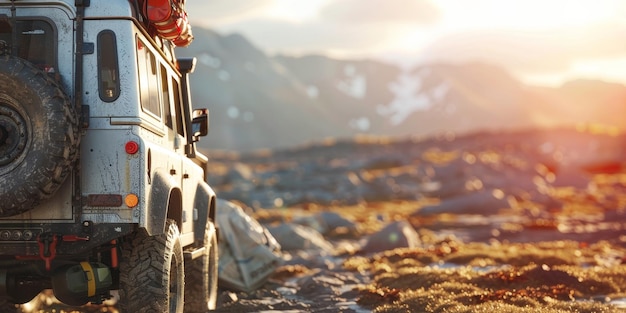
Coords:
561,276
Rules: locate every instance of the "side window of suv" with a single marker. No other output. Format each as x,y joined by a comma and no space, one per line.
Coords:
108,67
148,80
180,126
165,89
35,42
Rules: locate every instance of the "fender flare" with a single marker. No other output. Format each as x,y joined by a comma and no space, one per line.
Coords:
162,192
204,202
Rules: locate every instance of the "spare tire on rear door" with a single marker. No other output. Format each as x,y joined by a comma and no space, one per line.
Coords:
39,136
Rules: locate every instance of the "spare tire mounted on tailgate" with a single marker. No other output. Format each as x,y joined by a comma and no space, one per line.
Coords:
38,136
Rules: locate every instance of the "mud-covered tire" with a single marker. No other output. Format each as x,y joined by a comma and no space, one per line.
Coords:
152,273
39,136
201,276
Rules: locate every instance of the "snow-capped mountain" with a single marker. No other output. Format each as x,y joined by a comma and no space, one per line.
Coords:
258,101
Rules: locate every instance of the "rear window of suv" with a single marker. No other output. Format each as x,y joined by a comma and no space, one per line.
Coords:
34,40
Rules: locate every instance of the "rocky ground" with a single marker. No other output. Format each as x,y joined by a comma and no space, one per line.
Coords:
518,222
529,221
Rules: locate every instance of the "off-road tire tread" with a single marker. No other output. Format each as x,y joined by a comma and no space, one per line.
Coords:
144,273
201,277
31,182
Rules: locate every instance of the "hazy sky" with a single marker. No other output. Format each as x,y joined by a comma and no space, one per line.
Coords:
539,40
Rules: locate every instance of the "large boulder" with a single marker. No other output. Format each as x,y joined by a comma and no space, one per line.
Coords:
248,253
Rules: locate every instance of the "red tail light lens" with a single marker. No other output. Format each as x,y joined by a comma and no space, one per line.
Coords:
132,147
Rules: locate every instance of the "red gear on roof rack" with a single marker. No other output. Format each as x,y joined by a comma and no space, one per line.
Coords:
168,20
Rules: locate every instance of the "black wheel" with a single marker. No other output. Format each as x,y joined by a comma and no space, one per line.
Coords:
39,136
152,273
201,276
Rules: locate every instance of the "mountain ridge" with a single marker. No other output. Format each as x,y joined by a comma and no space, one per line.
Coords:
259,101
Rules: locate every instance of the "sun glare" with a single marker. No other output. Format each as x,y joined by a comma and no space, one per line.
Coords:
529,14
609,70
295,11
538,20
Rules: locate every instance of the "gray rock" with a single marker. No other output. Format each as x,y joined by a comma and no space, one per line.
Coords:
481,202
239,172
398,234
292,237
334,220
326,222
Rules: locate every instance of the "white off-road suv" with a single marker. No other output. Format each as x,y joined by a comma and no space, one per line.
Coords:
101,186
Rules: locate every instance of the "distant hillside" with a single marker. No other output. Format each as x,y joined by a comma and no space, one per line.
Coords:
583,101
259,101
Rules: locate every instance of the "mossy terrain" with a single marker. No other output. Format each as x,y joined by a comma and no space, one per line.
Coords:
450,276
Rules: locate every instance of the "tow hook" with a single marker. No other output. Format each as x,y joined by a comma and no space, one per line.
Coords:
48,245
47,248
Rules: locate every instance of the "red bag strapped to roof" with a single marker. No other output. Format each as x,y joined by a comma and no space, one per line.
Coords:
168,20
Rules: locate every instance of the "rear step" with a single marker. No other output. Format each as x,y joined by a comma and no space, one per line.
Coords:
192,255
